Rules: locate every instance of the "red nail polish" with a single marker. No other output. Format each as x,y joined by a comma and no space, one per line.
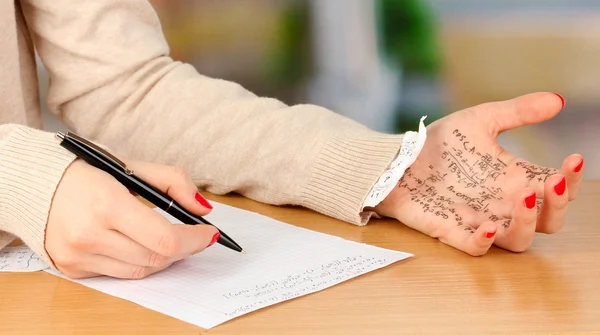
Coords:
490,234
214,239
561,99
560,187
530,201
203,201
579,166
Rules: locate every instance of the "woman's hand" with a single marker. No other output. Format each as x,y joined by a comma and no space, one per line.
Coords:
470,193
97,227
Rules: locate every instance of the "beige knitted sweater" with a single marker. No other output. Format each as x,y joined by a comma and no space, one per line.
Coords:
112,81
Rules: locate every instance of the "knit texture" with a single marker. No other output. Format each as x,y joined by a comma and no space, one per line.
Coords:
112,80
31,166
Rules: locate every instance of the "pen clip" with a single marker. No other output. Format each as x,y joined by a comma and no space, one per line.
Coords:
101,151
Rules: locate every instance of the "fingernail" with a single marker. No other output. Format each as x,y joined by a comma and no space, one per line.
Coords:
490,234
203,201
530,201
214,239
579,166
560,187
561,99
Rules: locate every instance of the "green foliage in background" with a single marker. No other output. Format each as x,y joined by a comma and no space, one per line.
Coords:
409,35
291,54
408,38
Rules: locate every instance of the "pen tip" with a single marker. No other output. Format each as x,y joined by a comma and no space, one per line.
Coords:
243,251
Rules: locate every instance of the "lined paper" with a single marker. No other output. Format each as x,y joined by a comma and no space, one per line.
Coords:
282,262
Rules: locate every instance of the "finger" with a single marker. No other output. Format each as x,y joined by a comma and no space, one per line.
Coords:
537,176
150,229
113,244
518,236
98,265
573,171
526,174
475,242
524,110
554,208
495,210
175,182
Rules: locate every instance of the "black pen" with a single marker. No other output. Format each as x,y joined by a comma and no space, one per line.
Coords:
104,161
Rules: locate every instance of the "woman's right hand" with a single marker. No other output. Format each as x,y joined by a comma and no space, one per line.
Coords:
97,227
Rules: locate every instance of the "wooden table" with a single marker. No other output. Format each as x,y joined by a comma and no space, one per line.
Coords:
552,288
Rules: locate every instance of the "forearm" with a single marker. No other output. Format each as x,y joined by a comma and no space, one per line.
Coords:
113,81
232,141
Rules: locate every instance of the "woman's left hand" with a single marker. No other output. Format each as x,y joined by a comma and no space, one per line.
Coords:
470,193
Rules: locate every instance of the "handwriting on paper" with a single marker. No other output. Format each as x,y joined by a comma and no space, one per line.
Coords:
297,284
283,262
20,259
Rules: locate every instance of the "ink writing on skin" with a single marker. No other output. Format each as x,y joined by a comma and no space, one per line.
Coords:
465,178
536,172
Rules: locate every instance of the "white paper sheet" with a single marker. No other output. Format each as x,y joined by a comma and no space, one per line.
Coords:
217,285
20,259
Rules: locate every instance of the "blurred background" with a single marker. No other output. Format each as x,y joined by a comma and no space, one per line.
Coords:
385,63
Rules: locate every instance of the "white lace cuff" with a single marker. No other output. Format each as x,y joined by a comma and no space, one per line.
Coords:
412,144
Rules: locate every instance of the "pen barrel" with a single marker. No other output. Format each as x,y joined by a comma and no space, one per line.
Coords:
130,181
153,195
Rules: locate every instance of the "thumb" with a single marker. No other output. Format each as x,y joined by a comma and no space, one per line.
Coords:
175,182
524,110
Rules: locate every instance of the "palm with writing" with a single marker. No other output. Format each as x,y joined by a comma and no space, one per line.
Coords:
470,193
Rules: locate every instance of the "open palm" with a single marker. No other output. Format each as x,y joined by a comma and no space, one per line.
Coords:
470,193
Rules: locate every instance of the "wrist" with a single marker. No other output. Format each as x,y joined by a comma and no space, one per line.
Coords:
388,206
32,164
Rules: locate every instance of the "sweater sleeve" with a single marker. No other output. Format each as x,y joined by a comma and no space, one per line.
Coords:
31,166
112,80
